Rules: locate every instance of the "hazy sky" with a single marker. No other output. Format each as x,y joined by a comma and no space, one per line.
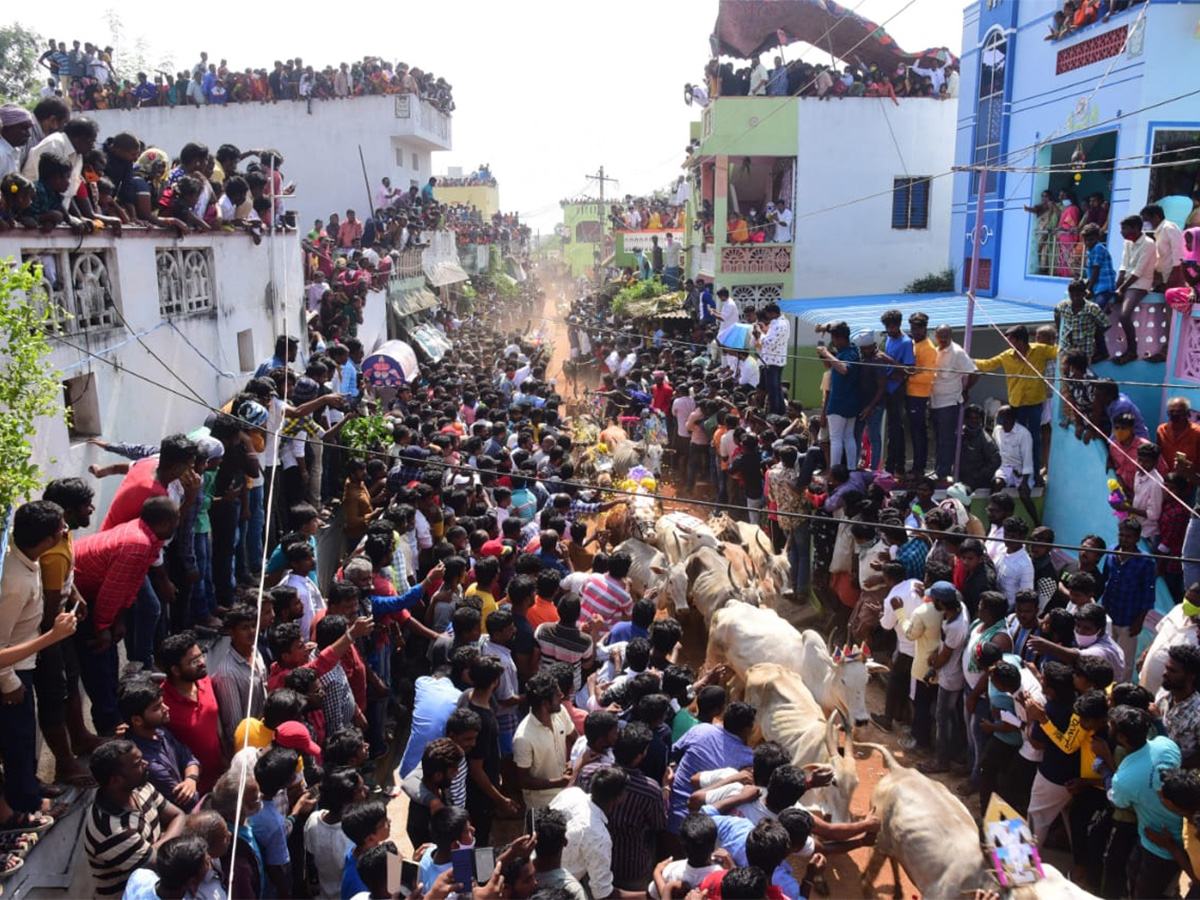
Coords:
546,92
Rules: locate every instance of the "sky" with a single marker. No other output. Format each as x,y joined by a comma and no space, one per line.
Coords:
546,92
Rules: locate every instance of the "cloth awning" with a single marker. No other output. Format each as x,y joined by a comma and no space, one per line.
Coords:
863,312
392,365
746,28
443,273
431,341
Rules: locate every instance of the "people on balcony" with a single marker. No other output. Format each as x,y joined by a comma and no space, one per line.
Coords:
801,79
1068,261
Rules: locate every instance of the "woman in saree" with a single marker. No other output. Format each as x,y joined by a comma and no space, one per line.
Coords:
1068,260
1047,213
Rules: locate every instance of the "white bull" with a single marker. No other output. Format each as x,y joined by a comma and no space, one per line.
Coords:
773,570
788,715
652,576
712,583
679,535
743,636
927,830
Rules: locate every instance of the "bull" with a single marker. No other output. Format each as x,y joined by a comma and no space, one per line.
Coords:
788,715
927,831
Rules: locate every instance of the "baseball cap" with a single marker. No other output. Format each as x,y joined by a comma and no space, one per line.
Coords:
942,591
295,736
253,413
305,389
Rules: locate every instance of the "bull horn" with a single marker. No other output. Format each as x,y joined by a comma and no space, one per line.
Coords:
831,744
849,728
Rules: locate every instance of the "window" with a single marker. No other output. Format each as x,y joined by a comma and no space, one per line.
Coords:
78,288
185,283
399,157
910,203
588,233
416,163
1176,154
1079,170
82,401
245,345
989,109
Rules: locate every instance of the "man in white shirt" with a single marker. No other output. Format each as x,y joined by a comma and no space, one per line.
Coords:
1014,570
1179,626
902,661
759,76
783,222
748,370
16,124
77,138
672,262
772,346
1016,451
1168,248
946,396
588,852
951,728
1139,260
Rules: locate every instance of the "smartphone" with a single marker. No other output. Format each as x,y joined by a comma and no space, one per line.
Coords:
395,880
485,863
74,608
461,862
408,877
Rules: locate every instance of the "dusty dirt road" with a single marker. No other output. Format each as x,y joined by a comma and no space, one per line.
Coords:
844,872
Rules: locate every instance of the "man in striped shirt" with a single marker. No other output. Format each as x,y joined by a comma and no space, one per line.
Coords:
641,816
129,819
606,595
564,642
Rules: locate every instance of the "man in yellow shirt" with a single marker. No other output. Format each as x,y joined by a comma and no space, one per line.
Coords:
1023,364
918,387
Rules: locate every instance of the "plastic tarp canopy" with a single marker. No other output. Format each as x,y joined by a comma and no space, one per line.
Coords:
393,364
746,28
445,272
431,341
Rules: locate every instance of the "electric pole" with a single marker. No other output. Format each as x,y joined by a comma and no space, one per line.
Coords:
601,178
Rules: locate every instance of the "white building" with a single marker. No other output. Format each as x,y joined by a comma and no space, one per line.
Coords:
397,135
157,330
856,174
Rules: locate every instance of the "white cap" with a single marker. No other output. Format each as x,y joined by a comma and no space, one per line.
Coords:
865,339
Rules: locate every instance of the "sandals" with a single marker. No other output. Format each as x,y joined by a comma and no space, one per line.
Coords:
1159,357
10,863
18,842
27,822
1122,358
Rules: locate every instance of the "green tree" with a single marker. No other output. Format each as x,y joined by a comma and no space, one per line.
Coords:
29,388
19,52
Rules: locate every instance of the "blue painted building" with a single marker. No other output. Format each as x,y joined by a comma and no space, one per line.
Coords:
1108,111
1085,113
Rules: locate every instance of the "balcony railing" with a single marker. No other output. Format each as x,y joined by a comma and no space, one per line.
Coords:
756,259
1056,254
409,265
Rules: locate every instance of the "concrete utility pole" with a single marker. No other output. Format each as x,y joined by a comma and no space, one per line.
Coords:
601,178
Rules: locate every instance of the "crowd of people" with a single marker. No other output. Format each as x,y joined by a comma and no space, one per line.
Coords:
481,177
56,173
86,76
1076,15
801,79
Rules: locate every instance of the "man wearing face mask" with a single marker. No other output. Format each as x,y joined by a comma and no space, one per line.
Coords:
979,457
1090,640
1179,434
1179,626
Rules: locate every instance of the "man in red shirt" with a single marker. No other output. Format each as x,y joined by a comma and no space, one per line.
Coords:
170,474
188,694
110,568
151,477
662,393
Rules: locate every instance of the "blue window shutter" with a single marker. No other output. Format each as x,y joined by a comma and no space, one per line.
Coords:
919,203
900,201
